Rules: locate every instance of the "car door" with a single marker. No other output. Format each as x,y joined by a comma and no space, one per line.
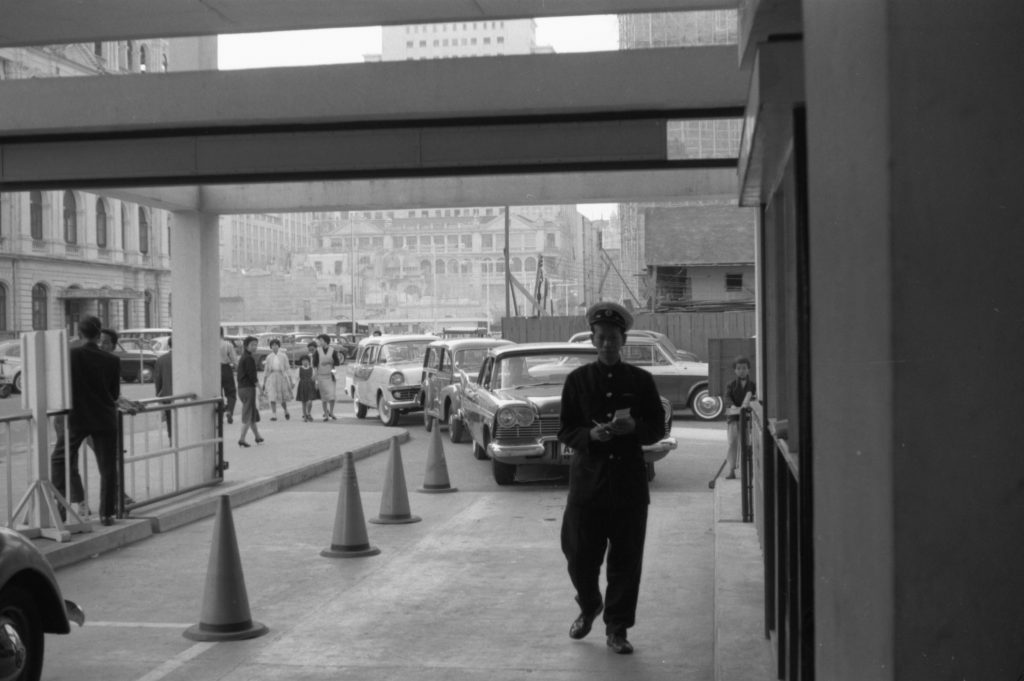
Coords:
472,409
432,362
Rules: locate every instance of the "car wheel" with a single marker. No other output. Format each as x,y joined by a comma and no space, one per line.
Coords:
357,406
428,422
480,451
456,429
21,626
504,473
388,416
147,375
5,390
705,406
17,382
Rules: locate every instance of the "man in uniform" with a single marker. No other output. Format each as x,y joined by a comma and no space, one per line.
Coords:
609,410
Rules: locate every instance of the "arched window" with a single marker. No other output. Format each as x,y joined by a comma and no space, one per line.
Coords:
515,265
486,266
3,307
130,56
424,265
35,209
439,267
453,267
97,48
39,307
465,267
143,233
101,224
143,58
499,266
530,264
70,218
124,227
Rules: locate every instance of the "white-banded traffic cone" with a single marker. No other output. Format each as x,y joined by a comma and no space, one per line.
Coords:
436,478
225,612
349,539
394,502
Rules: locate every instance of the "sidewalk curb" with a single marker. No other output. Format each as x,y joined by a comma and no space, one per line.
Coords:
741,649
199,505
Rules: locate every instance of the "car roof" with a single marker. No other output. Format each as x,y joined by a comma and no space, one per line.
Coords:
397,337
537,348
470,343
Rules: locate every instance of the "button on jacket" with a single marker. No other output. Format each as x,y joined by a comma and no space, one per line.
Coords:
609,473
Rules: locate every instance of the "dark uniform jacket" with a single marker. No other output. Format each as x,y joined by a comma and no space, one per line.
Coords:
609,473
95,387
163,379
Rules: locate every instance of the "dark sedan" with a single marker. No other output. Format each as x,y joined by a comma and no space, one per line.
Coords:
137,360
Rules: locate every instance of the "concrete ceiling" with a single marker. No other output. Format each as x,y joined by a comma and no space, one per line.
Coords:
533,128
56,22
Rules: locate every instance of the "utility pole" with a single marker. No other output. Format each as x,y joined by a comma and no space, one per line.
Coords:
508,274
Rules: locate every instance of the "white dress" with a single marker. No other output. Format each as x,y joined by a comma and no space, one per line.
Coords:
278,381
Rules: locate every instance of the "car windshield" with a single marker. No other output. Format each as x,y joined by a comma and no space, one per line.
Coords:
410,351
540,369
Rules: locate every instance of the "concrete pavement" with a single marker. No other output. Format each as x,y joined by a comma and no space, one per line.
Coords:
718,599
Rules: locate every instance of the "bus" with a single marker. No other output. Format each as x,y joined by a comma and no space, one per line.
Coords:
336,327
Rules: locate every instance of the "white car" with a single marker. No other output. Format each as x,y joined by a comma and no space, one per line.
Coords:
10,366
386,375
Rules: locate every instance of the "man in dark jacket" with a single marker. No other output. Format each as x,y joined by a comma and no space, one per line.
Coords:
95,388
609,410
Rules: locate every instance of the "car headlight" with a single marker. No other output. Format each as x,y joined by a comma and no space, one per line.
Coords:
509,417
397,378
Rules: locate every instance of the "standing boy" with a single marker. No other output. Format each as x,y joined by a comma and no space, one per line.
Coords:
739,392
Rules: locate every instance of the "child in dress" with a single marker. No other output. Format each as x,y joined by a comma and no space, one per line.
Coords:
306,390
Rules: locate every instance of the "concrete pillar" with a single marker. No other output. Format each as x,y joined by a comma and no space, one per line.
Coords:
195,285
916,293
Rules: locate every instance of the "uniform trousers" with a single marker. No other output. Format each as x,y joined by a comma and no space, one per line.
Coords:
587,531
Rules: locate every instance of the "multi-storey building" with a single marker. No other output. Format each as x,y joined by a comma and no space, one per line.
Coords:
450,262
67,253
446,262
265,241
690,139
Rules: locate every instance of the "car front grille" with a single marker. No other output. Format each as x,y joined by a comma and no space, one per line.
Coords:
405,394
539,428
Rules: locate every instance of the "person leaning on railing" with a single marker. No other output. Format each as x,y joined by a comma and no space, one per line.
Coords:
738,394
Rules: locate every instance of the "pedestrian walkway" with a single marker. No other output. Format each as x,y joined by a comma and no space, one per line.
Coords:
289,456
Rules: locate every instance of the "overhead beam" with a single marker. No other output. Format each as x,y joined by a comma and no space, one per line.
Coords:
541,113
687,82
481,190
52,22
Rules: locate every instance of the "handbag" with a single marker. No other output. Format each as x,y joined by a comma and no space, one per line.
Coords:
263,402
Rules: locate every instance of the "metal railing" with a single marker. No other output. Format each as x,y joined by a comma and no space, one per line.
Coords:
746,466
159,458
162,453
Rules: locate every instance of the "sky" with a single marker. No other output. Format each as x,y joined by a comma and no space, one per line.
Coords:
349,45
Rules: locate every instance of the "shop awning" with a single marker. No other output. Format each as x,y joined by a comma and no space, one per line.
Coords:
101,294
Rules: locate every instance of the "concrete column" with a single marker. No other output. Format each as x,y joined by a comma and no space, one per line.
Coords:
195,284
916,293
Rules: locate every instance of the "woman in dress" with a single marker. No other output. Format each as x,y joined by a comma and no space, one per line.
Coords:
277,381
247,382
306,390
324,361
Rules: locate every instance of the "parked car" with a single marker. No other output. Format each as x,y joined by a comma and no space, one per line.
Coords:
31,605
138,359
513,410
686,355
10,365
448,364
683,382
386,375
348,343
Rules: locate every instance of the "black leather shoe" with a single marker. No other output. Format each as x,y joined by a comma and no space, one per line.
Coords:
107,520
582,624
619,644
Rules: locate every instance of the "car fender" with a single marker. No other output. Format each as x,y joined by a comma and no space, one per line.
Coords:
21,564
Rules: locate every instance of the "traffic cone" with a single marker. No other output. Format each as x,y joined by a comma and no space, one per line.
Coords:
394,502
436,479
349,539
225,613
